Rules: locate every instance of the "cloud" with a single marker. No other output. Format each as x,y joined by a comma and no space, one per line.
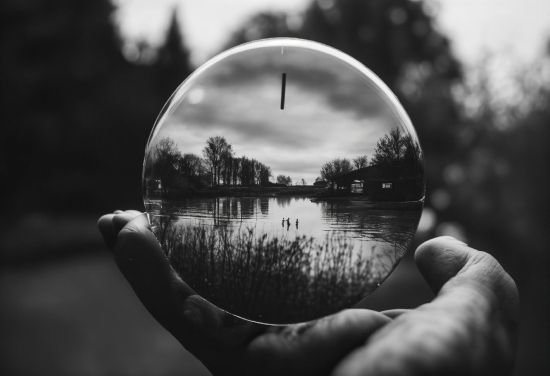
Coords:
341,85
331,111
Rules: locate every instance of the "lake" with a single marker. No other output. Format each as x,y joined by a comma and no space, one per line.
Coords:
227,248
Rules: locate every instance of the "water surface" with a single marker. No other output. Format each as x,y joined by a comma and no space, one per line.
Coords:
281,259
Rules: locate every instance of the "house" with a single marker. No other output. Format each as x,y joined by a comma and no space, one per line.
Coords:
379,184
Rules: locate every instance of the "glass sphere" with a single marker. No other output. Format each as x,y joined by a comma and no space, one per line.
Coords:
283,180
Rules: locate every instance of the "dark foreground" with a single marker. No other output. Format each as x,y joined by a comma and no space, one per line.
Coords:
72,313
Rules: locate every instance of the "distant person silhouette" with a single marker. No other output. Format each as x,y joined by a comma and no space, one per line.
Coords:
296,223
283,223
287,223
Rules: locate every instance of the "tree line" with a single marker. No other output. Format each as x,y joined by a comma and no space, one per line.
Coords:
218,166
394,153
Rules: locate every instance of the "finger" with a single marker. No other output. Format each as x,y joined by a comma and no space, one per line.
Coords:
105,226
315,347
470,328
143,263
196,323
110,224
136,212
440,259
121,219
218,337
450,266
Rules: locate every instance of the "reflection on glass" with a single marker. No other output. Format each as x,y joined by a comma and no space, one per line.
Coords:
284,181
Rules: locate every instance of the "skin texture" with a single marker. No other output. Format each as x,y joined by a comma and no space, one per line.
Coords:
470,328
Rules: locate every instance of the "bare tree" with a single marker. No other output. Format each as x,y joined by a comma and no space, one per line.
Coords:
335,167
215,152
396,152
192,168
265,173
247,171
282,179
360,161
166,157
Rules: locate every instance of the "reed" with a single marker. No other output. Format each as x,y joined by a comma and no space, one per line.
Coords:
259,275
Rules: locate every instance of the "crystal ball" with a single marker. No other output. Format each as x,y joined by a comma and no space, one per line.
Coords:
283,180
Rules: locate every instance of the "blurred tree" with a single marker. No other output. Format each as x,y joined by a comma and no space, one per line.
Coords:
282,179
360,161
173,64
394,38
264,25
398,41
497,189
57,56
76,113
501,179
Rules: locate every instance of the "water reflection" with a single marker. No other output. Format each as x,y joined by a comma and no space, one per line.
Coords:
361,220
333,253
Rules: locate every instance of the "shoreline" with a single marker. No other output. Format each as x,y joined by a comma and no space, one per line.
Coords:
405,205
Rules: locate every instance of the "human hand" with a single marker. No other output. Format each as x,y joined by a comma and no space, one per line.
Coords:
470,327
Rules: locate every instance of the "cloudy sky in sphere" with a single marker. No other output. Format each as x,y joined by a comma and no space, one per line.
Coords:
332,110
515,32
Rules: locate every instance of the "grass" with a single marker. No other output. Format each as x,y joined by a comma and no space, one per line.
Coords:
263,277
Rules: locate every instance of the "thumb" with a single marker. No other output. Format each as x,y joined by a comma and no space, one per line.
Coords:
440,259
448,264
469,329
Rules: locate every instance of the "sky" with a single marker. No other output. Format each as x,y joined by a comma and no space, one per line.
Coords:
334,108
517,28
514,30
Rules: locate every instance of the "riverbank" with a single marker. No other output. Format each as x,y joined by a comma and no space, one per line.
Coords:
403,206
237,191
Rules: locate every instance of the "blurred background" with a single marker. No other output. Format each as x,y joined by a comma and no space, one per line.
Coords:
81,83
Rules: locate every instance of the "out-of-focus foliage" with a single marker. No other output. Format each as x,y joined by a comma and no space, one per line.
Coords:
77,104
75,112
395,39
483,179
485,140
499,182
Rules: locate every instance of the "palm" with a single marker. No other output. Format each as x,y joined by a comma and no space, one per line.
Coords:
436,338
